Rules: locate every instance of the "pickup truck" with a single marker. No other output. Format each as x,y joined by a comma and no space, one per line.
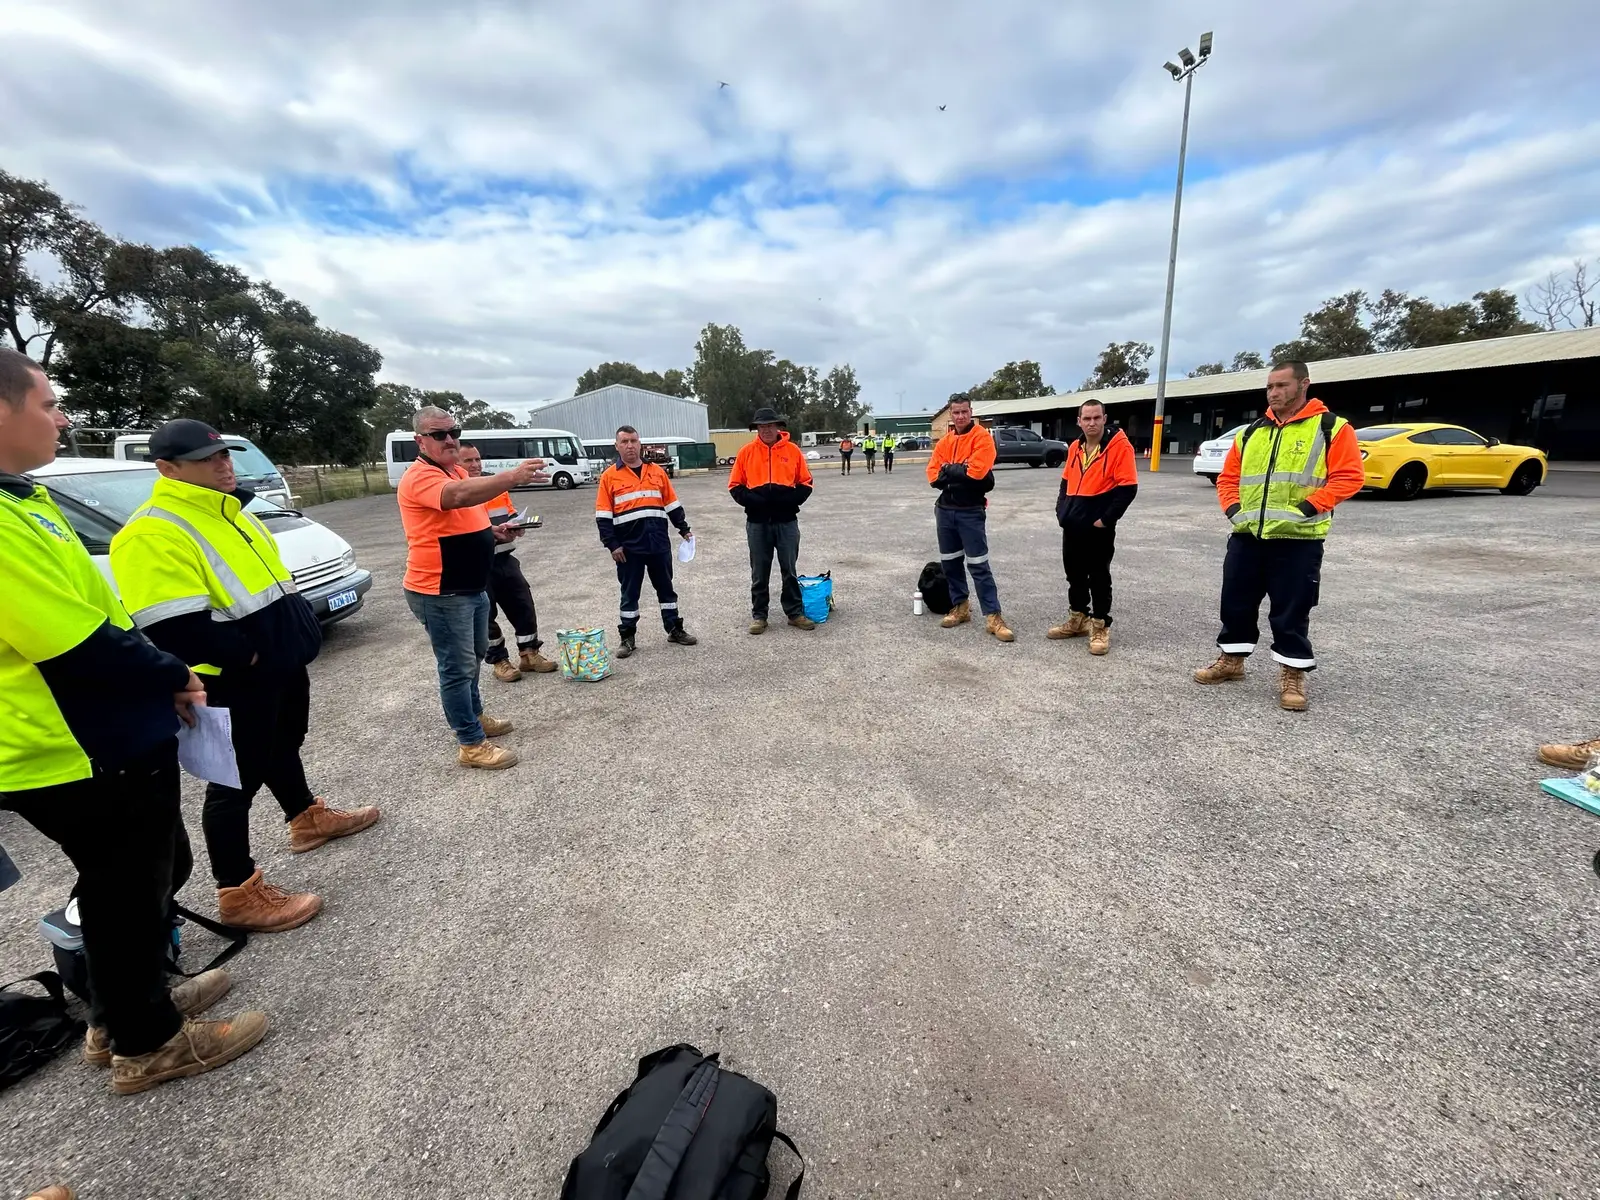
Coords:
1021,445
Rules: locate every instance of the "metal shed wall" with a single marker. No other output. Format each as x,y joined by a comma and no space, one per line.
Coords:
597,414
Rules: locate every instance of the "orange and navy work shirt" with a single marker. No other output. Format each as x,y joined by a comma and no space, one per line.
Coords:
1097,486
448,551
770,482
974,449
632,507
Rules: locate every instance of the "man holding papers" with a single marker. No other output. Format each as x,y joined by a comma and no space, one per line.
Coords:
201,577
89,713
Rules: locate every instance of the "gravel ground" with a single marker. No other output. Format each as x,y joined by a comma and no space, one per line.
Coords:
991,920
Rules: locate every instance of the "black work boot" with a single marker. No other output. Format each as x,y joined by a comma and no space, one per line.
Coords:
626,648
682,636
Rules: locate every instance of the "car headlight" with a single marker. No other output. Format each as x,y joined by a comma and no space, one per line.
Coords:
347,560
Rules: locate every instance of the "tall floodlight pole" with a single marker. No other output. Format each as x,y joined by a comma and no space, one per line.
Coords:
1185,75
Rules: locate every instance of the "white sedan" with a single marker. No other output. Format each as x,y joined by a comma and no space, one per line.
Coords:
1209,458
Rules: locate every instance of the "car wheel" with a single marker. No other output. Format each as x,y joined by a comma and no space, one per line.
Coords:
563,481
1054,459
1408,482
1036,462
1211,479
1527,478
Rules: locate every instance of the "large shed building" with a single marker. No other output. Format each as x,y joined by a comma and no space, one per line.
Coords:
597,414
1539,389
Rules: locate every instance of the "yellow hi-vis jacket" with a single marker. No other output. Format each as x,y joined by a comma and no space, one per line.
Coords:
191,550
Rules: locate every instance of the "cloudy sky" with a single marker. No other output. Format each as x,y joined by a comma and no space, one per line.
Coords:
499,195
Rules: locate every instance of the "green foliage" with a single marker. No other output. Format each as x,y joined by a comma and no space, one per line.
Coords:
1397,321
1121,364
669,383
733,381
1247,360
1014,381
1212,368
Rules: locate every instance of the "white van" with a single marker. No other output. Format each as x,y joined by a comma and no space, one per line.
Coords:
98,495
503,449
253,469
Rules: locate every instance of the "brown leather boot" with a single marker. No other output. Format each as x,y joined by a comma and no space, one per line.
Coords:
959,615
537,663
319,823
506,671
758,627
191,997
1076,625
996,624
1574,757
486,755
1099,637
1292,689
198,1047
56,1191
1227,668
260,907
494,726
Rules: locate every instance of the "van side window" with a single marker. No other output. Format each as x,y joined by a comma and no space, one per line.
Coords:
501,447
405,451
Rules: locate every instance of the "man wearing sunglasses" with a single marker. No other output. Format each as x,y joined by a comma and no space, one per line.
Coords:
449,553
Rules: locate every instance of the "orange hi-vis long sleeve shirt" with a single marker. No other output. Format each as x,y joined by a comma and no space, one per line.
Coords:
974,448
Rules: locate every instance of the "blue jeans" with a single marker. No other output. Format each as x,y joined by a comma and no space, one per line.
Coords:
458,627
963,547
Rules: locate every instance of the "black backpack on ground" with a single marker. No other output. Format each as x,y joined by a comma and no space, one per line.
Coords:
33,1029
66,944
685,1130
935,588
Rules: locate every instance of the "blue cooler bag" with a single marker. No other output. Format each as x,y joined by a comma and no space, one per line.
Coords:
816,595
584,657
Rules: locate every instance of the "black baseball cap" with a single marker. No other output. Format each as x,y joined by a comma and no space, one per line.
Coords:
186,441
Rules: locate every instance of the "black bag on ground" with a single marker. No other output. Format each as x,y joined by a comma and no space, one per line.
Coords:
685,1130
33,1029
935,588
66,944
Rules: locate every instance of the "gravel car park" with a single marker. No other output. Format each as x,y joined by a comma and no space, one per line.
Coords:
998,915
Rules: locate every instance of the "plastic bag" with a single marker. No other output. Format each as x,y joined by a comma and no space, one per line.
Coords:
816,596
584,656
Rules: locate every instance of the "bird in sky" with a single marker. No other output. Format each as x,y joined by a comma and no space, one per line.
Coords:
721,85
941,107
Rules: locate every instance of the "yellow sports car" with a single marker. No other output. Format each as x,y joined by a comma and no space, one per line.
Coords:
1404,459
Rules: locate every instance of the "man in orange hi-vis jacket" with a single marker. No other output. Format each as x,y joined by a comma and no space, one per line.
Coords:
770,481
962,469
1098,483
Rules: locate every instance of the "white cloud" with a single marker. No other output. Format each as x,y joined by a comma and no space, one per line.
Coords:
1435,147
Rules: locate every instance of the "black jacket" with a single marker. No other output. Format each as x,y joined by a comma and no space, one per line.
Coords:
957,489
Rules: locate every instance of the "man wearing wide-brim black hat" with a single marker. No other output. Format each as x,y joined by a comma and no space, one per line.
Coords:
770,481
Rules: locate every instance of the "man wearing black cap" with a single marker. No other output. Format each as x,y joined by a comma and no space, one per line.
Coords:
201,576
770,481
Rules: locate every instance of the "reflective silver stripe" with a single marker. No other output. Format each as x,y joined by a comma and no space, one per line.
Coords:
168,609
674,505
1251,480
248,602
626,613
952,554
637,514
1236,647
1303,664
603,512
1307,478
639,495
1293,514
979,558
664,607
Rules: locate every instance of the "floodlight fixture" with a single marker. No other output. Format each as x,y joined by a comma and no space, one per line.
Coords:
1186,57
1205,45
1177,71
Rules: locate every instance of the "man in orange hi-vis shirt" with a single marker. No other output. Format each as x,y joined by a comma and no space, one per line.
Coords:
1098,482
962,469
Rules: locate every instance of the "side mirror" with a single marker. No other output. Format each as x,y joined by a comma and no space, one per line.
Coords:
1494,442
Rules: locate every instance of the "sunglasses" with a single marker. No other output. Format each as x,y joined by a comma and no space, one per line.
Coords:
440,435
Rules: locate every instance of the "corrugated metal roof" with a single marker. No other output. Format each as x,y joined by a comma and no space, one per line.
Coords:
1457,356
597,414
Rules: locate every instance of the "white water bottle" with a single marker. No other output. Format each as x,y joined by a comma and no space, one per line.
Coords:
916,604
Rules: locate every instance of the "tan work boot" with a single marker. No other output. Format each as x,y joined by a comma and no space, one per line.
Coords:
494,726
506,671
260,907
1076,625
757,627
1292,689
198,1047
191,997
802,622
1227,668
489,757
1099,637
320,823
959,615
536,663
56,1191
996,624
1574,757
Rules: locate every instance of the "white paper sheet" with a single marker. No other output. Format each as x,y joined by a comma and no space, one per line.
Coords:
686,548
206,751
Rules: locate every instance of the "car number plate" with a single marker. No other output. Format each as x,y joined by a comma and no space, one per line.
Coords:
343,599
